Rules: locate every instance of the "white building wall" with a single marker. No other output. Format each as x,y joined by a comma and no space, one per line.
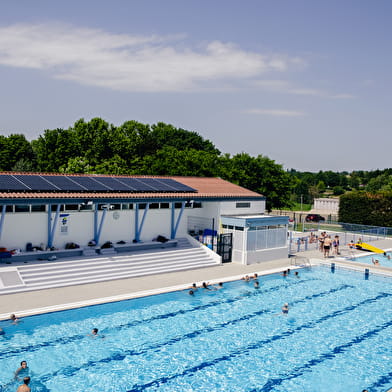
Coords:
229,208
326,205
20,228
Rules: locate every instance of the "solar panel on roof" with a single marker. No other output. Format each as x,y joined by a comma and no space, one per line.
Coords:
159,184
36,183
64,183
151,182
114,184
90,183
177,186
137,184
26,182
10,183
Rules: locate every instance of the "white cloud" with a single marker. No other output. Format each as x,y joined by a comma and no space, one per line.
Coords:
283,86
276,112
130,62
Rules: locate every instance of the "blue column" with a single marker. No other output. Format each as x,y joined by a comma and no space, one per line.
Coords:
52,227
174,225
2,218
99,230
138,229
137,239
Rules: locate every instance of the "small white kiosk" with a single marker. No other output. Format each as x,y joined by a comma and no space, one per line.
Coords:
257,238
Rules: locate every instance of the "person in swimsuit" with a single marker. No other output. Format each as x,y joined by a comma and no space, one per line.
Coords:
23,370
285,309
14,319
327,245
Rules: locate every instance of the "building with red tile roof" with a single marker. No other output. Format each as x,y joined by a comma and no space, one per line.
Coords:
54,210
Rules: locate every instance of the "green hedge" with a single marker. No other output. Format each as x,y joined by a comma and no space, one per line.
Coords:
366,208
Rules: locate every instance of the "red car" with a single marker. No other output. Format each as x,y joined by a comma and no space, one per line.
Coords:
314,218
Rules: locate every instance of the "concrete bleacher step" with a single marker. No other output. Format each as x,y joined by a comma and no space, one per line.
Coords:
118,261
185,256
103,266
111,272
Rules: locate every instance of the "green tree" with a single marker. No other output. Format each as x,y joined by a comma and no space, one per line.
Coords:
13,149
264,176
167,135
55,148
173,162
338,190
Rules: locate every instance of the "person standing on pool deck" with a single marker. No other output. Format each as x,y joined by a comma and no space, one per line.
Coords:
336,245
327,245
25,386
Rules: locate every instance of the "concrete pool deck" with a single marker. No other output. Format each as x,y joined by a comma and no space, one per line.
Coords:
49,300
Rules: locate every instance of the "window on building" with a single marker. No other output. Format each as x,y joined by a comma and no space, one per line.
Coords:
54,207
242,205
197,204
154,206
72,207
86,207
22,208
164,205
38,208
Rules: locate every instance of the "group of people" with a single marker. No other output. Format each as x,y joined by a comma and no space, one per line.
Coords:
205,286
327,244
21,374
254,278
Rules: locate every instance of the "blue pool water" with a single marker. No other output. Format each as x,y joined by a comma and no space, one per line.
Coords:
383,260
336,337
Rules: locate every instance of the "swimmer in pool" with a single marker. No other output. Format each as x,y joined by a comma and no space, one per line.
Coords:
190,292
193,287
21,371
206,286
375,261
14,319
25,386
2,331
256,284
285,309
246,278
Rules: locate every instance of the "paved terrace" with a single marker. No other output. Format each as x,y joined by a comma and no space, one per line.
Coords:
43,301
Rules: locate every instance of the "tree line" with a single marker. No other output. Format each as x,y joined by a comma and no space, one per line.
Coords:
134,148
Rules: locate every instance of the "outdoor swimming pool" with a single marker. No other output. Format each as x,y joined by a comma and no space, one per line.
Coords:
336,337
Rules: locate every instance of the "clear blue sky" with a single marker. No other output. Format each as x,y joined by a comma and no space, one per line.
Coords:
306,83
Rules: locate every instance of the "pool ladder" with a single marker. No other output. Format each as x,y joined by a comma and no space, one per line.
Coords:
301,261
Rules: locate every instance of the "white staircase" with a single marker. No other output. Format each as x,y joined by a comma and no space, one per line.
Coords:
46,274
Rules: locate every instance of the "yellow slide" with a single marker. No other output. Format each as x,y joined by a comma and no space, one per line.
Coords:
366,246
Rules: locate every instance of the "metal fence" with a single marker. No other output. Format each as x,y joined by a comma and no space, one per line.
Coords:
305,237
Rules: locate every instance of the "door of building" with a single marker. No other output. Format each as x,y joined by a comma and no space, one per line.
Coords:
224,248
